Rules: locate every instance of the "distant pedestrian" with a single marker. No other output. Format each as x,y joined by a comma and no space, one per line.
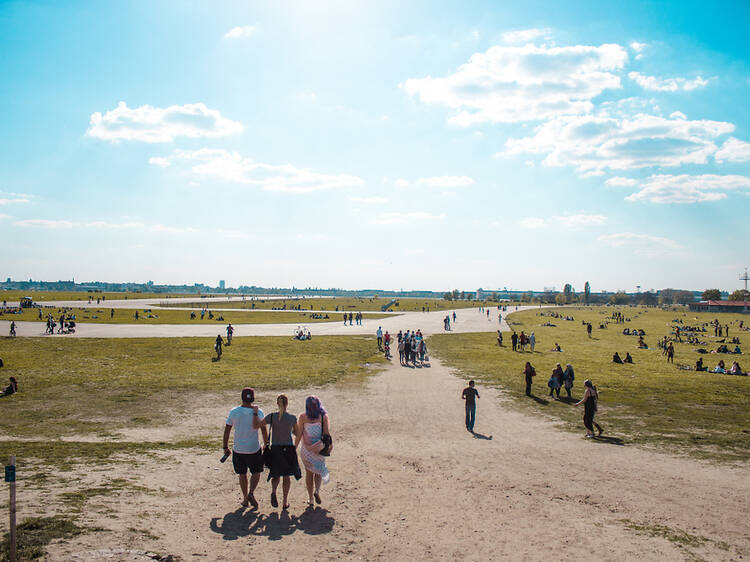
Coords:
568,378
499,338
589,401
670,353
514,341
246,452
12,329
217,346
529,372
532,341
345,317
470,395
230,333
379,335
588,328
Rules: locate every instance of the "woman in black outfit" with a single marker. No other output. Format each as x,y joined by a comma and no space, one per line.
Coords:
589,401
530,372
282,455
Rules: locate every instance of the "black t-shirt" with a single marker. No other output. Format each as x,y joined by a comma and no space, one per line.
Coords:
469,393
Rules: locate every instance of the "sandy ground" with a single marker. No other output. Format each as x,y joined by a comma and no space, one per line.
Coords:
468,320
409,482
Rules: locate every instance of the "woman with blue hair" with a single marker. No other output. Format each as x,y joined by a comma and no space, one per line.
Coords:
316,445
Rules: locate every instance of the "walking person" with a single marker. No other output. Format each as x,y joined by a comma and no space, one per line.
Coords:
568,378
230,333
556,381
470,395
217,346
246,452
589,401
588,329
379,335
514,341
532,341
12,329
315,435
282,453
670,353
529,373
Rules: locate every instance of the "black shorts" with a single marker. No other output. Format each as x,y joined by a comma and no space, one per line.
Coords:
243,461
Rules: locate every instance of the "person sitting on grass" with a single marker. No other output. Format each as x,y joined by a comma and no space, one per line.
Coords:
556,348
12,388
616,358
737,350
735,369
641,343
720,368
699,365
628,358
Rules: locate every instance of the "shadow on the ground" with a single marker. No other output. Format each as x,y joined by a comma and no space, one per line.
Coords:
275,526
609,440
539,400
481,436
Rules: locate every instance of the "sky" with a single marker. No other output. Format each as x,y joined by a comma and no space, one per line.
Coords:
395,145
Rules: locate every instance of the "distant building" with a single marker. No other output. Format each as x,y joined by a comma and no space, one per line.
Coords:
222,285
480,294
719,306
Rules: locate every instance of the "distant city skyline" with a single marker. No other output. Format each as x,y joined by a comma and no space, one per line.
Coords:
430,145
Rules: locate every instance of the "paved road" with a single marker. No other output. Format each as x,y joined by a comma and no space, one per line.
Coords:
468,320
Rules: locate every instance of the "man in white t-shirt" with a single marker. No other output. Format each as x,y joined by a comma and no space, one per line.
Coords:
246,450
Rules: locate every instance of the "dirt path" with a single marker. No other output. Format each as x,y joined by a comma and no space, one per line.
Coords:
409,482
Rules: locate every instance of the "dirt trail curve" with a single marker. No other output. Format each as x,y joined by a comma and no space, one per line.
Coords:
409,482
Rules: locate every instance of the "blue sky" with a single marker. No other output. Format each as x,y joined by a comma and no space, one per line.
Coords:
376,144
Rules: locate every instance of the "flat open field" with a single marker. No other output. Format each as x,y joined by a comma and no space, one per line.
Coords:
342,304
649,402
47,296
169,316
96,388
119,443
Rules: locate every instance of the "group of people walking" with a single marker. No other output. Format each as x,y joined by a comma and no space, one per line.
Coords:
520,341
411,348
282,434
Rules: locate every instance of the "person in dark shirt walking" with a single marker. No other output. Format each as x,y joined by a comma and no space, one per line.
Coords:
514,341
470,395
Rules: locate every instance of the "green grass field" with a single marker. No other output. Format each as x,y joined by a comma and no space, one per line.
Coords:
47,296
101,315
83,388
649,402
342,303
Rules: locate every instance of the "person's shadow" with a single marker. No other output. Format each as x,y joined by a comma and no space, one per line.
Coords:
609,440
541,401
275,526
481,436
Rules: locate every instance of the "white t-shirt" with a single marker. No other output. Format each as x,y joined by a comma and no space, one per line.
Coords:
245,437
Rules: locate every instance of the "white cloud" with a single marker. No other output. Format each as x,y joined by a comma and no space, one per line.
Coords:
401,182
406,218
641,244
370,200
233,167
511,84
532,222
44,223
241,31
156,124
621,182
684,188
666,84
593,143
638,47
157,161
733,150
12,200
580,220
524,35
573,222
446,181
